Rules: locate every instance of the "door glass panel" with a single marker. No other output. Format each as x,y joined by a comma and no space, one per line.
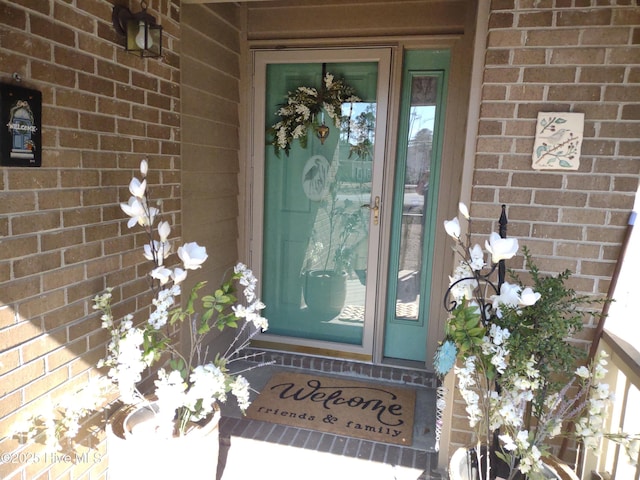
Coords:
315,234
417,172
416,191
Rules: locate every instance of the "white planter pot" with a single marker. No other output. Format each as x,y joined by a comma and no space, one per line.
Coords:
460,468
193,456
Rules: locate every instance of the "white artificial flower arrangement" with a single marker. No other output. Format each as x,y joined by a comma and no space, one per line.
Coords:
510,348
302,108
188,385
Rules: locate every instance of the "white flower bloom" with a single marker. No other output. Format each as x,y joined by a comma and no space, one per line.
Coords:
501,248
102,301
149,251
477,258
498,360
509,297
304,111
170,392
464,211
299,131
157,251
240,388
522,439
633,448
239,310
144,167
161,273
164,229
163,302
530,461
452,227
531,371
508,442
107,321
309,91
247,280
599,372
328,81
601,391
331,112
555,429
282,137
134,209
137,188
208,385
158,319
510,414
462,288
499,335
192,255
528,297
164,250
178,275
465,381
241,268
261,323
151,218
583,372
127,323
125,358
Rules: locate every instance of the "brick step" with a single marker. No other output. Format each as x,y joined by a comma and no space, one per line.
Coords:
253,449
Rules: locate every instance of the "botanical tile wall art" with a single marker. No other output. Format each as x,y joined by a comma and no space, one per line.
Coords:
558,141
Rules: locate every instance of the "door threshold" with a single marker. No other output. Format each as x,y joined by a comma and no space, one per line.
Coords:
407,364
314,351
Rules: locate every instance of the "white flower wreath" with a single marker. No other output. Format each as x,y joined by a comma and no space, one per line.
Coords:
301,110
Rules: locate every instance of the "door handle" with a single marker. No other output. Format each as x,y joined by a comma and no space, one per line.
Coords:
375,208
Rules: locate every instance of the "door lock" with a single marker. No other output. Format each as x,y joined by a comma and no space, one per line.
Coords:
375,208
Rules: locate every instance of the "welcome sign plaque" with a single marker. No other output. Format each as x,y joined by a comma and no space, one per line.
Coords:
342,406
20,126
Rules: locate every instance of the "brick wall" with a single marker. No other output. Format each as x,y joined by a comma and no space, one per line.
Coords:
560,55
62,234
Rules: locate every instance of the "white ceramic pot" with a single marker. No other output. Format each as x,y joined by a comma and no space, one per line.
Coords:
460,467
134,453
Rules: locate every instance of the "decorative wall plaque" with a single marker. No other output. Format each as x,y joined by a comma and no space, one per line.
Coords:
20,126
558,141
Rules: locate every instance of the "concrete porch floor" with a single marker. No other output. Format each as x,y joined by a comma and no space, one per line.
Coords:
254,449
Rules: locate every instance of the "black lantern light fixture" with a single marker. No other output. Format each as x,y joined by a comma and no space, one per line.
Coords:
143,35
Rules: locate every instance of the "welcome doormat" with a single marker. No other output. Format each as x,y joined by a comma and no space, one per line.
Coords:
342,406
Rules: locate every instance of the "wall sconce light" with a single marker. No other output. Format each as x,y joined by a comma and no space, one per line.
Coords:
143,35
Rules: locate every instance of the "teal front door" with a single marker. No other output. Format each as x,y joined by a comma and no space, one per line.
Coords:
327,229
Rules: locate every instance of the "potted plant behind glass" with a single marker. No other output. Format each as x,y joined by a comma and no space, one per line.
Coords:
518,370
172,431
340,224
339,227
